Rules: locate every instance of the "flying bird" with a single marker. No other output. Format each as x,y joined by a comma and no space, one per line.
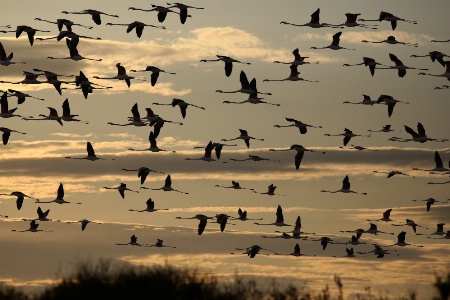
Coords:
345,188
59,197
60,23
335,43
155,73
367,62
348,134
293,76
5,60
150,207
121,188
300,152
302,127
385,16
228,63
391,40
243,136
83,222
167,186
203,221
121,75
314,22
94,13
419,136
246,86
183,10
399,66
90,154
137,25
153,145
279,220
298,59
20,197
183,105
435,56
6,133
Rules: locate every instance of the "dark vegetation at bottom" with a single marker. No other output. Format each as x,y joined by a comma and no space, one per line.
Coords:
105,280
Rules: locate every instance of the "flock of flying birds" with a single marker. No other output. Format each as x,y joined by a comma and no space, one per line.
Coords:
87,87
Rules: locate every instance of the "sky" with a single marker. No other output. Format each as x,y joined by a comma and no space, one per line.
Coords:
250,32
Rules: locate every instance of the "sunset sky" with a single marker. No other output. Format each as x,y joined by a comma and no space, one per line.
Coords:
251,32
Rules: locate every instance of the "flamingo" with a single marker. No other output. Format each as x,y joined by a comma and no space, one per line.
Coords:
410,223
153,145
429,202
143,172
298,59
53,115
156,120
253,97
399,66
314,23
6,60
386,128
136,119
354,241
351,21
270,191
348,134
243,136
121,188
181,104
64,22
59,197
385,16
94,13
217,148
297,251
367,62
243,216
446,74
222,219
335,43
7,133
302,127
386,216
296,233
207,157
439,230
234,185
33,228
68,34
30,78
86,86
253,250
73,51
83,222
167,186
434,55
293,76
29,31
300,152
52,78
203,221
21,96
366,101
133,242
162,11
391,40
155,73
418,136
253,158
378,251
345,188
392,173
446,236
324,241
67,116
150,207
139,26
159,244
183,10
121,75
228,63
20,197
246,87
373,229
279,220
439,165
401,237
350,252
42,216
90,154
